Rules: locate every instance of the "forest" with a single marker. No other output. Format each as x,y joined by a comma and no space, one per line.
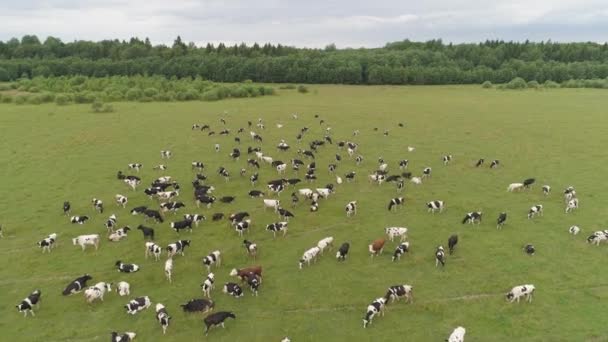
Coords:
403,62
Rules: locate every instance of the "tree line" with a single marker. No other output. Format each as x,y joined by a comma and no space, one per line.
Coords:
404,62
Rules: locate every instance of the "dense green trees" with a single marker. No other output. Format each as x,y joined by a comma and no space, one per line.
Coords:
403,62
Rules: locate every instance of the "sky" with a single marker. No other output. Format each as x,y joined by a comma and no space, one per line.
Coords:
312,23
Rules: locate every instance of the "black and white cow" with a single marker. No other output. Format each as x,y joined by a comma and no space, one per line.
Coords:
479,162
79,219
528,182
160,167
97,204
242,226
439,256
66,208
86,240
119,234
138,210
153,249
162,316
535,210
222,171
256,194
27,305
502,218
171,206
135,166
196,218
207,285
284,214
376,307
206,200
197,165
546,189
166,154
426,172
214,258
452,242
277,227
138,304
342,251
76,285
153,214
495,163
402,248
529,249
216,319
198,305
123,337
447,159
254,283
251,248
396,292
434,206
126,268
177,247
233,289
253,178
48,242
148,232
517,292
397,201
97,291
472,217
403,164
571,205
111,223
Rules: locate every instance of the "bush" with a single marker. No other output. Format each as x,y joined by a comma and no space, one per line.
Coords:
533,85
150,92
269,91
47,97
36,100
62,99
288,86
84,97
211,95
239,92
517,83
487,85
550,84
6,99
302,89
134,94
5,86
107,108
97,106
21,99
166,97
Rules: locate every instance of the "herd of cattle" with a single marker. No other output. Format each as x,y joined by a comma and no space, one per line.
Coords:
167,191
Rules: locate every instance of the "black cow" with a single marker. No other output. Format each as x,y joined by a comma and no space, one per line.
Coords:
148,232
66,208
198,305
452,242
149,213
77,285
343,251
179,225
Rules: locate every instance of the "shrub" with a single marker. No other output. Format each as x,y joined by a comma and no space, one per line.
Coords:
107,108
302,89
21,99
150,92
62,99
210,95
97,106
486,85
47,97
5,86
517,83
84,97
239,92
288,86
36,100
551,84
533,85
134,94
269,91
6,99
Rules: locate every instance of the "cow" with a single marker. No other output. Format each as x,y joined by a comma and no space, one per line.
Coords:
502,218
569,193
171,206
342,251
148,232
166,154
119,234
217,217
529,249
572,204
111,223
138,304
546,190
76,285
376,307
207,285
126,268
204,199
495,163
79,219
472,217
517,292
214,258
162,316
177,247
393,232
426,172
85,240
216,319
135,166
308,256
403,164
284,214
271,203
457,335
233,289
153,214
160,167
528,182
27,305
179,225
452,242
434,206
123,337
574,230
195,218
597,237
439,256
446,159
401,248
198,305
66,208
515,187
124,288
48,242
479,162
251,248
243,273
396,292
138,210
253,178
241,226
324,243
153,249
397,201
376,247
197,165
351,208
277,227
256,194
169,269
97,291
97,205
535,210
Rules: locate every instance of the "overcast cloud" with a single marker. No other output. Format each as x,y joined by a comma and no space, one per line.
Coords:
347,23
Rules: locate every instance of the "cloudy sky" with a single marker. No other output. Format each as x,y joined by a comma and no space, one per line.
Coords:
312,23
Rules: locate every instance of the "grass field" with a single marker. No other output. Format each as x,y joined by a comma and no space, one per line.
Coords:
50,154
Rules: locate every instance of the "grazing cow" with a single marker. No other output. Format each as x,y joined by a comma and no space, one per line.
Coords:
377,306
138,210
177,247
243,273
124,289
305,192
204,199
447,159
277,227
569,193
472,217
27,305
434,206
148,232
233,289
217,216
238,217
132,183
528,182
396,292
123,337
403,164
251,248
48,242
169,269
241,226
597,237
256,194
162,316
214,258
358,159
529,249
479,162
376,247
400,186
535,210
171,206
119,234
97,205
76,285
393,232
216,319
397,201
179,225
153,214
495,163
165,154
198,305
351,208
85,240
515,187
66,208
426,172
207,285
138,304
377,178
572,204
195,218
97,291
502,218
574,230
439,256
111,223
160,167
198,165
79,219
284,214
324,192
309,255
271,203
135,166
325,243
546,190
153,249
342,251
227,199
457,335
126,268
254,283
452,242
167,195
517,292
402,248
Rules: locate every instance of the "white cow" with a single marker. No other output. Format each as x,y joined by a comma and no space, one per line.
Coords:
457,335
271,203
393,232
84,240
574,230
305,192
515,187
309,255
169,269
326,242
97,291
517,292
124,289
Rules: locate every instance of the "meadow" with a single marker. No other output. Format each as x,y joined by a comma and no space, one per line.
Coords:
52,153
